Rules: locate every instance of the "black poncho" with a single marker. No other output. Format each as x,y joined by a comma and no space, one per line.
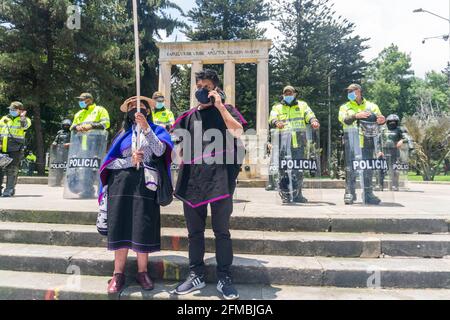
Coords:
201,183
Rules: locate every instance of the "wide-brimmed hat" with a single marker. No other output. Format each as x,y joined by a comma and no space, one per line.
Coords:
124,106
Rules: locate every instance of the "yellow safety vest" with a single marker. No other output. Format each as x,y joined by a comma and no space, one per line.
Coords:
351,108
31,158
12,132
163,118
293,117
90,115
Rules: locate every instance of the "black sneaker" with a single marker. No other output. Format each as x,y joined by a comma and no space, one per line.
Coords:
226,288
192,283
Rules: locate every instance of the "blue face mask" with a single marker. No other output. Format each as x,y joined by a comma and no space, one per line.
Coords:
202,96
14,113
352,96
160,105
82,104
289,99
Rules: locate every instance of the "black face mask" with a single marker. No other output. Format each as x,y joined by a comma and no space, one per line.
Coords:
132,113
66,128
202,96
392,125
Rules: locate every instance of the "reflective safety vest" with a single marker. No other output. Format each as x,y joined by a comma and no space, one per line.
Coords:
31,157
12,133
351,108
90,115
163,118
293,117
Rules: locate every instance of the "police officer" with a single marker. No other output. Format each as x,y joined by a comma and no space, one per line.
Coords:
13,129
394,137
161,115
63,135
350,114
90,117
31,163
288,115
60,152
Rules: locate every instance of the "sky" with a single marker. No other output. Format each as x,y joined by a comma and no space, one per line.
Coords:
387,22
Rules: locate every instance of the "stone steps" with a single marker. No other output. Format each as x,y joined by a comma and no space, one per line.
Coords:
247,242
293,220
405,273
43,286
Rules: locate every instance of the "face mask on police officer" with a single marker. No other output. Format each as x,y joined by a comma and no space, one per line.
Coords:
352,96
289,99
14,113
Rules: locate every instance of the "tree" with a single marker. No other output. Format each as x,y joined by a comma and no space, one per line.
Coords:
433,90
227,20
45,64
315,43
388,81
430,130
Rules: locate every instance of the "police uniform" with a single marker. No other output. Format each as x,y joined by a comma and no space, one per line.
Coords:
163,118
31,162
347,117
392,134
98,118
295,117
12,138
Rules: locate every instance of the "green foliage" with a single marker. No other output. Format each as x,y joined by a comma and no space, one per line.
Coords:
227,20
316,43
430,130
45,64
388,81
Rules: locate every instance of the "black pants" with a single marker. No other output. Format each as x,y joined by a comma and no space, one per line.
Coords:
11,171
196,223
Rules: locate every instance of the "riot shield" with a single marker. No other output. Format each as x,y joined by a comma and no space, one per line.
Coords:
365,163
57,166
396,177
86,152
296,166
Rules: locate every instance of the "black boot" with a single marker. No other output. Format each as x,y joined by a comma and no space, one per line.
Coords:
371,199
10,191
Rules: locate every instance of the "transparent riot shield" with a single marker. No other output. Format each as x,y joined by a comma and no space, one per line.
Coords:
57,165
85,156
396,177
296,166
365,163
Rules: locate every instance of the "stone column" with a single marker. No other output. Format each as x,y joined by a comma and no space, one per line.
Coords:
165,75
196,67
229,83
262,100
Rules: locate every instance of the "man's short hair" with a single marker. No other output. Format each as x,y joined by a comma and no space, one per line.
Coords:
208,74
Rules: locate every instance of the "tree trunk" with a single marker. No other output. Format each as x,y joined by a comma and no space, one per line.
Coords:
40,148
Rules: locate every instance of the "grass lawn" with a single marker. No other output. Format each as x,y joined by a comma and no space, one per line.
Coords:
442,178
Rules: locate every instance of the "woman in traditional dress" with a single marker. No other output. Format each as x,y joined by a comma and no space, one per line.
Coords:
128,188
